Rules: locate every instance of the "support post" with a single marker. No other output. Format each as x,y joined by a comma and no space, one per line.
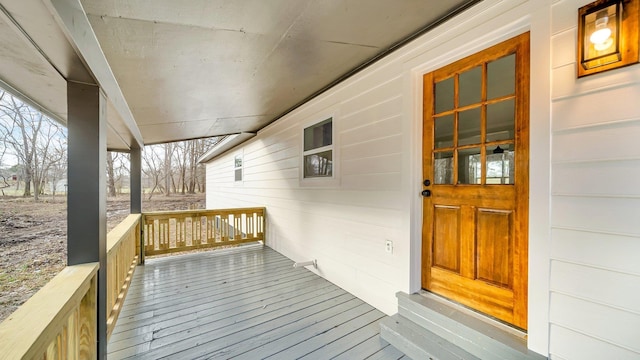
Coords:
87,198
135,176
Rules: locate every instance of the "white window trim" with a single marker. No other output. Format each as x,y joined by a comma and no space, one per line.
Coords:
241,168
332,181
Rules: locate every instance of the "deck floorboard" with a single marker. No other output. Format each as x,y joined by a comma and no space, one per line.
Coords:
246,303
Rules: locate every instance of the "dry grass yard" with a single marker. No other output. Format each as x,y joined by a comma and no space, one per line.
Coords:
33,239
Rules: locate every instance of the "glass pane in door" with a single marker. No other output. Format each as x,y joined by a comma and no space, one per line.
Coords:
501,77
443,130
469,127
443,168
470,87
469,166
501,120
444,95
500,164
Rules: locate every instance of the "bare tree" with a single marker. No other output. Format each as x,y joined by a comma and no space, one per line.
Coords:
3,150
153,168
116,171
37,141
111,180
58,171
197,172
168,169
3,145
50,149
181,154
186,155
173,167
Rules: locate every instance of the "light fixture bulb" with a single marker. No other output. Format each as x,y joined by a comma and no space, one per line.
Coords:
601,38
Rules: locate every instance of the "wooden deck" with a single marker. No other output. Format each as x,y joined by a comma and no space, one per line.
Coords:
247,303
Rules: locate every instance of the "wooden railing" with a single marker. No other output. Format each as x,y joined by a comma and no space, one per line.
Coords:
58,322
123,252
167,232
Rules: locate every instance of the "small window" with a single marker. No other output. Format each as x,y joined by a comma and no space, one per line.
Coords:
237,166
318,150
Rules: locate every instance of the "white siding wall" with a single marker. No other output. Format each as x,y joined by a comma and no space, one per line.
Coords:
378,122
343,226
595,232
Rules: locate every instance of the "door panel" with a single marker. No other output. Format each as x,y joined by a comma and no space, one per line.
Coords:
475,154
446,254
495,247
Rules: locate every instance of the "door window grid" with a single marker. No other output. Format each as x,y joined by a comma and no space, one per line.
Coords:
457,158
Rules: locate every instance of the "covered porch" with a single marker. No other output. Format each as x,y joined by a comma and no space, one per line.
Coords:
179,76
241,300
246,303
122,75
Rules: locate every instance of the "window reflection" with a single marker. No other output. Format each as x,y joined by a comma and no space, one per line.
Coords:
501,120
469,127
443,168
318,135
469,166
318,165
470,87
500,164
444,131
444,95
501,77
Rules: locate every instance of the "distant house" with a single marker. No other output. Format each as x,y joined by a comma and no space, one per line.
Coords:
550,232
8,175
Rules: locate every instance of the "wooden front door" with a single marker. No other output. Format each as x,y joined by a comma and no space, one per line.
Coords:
476,181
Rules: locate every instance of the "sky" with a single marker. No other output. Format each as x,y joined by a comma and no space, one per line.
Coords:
8,160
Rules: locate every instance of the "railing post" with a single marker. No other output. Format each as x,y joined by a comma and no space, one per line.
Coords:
141,236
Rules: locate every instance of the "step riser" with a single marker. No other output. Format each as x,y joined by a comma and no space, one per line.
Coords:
402,344
417,342
446,329
468,333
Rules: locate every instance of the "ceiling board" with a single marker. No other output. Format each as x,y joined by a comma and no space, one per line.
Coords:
199,68
204,68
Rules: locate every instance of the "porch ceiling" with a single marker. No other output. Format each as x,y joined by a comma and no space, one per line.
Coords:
213,67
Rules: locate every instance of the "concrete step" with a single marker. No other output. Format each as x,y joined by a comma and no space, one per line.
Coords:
464,328
419,343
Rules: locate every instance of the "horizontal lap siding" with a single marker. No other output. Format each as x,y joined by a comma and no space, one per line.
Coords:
595,206
343,226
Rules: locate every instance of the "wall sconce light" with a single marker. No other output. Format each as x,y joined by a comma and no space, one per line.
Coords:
607,35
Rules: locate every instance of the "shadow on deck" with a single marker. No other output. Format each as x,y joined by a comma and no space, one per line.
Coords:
243,303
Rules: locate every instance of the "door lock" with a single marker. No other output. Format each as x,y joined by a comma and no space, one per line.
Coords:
426,193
